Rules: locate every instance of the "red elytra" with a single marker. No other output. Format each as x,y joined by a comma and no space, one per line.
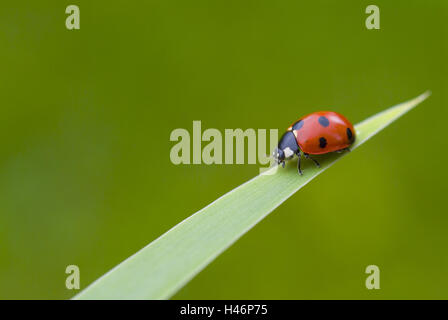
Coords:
323,132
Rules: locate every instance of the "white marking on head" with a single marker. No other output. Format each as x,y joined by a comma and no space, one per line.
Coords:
288,152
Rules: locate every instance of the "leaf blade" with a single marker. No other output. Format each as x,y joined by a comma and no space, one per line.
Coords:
165,265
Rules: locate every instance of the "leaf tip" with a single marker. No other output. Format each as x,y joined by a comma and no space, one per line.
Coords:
425,95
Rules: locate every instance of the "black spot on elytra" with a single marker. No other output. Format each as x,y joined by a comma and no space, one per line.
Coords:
324,122
349,134
322,142
297,125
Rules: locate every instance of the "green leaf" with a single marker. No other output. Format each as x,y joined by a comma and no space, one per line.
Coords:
169,262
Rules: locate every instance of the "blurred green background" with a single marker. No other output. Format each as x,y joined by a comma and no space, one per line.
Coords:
85,173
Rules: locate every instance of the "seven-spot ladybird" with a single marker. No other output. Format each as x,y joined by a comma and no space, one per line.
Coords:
317,133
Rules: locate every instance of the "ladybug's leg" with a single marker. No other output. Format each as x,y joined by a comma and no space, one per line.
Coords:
314,160
298,162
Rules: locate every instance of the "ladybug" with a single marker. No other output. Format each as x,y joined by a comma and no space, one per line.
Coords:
316,133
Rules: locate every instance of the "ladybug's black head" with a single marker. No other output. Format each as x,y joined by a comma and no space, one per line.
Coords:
287,147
